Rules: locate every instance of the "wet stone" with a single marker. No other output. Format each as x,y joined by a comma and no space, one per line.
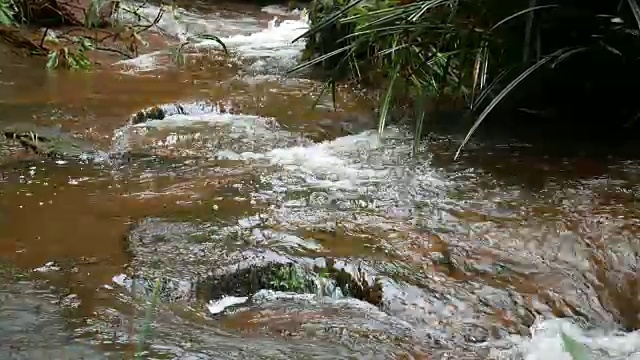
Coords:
51,142
347,125
7,151
197,262
159,112
215,265
580,299
446,310
350,323
33,326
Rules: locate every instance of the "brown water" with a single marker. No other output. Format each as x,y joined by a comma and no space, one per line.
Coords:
474,259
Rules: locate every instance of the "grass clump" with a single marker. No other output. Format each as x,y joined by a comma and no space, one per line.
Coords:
523,53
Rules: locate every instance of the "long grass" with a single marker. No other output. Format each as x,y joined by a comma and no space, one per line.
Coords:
478,51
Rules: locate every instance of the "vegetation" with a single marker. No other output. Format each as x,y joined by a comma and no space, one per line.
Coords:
70,34
576,350
288,278
565,54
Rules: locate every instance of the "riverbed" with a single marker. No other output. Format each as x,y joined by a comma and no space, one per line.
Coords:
258,227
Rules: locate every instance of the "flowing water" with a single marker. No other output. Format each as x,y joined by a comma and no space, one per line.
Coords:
496,256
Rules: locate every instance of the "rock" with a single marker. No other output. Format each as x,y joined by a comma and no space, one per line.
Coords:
52,142
214,265
204,262
244,272
33,325
217,263
335,126
159,112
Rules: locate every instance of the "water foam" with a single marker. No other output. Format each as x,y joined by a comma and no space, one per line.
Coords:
351,163
547,343
241,36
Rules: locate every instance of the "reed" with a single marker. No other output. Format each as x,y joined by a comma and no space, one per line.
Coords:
477,51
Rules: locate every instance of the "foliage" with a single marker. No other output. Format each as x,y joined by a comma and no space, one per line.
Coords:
66,50
576,350
7,12
71,58
481,52
146,330
288,278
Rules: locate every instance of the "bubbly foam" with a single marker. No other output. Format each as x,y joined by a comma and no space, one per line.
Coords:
249,40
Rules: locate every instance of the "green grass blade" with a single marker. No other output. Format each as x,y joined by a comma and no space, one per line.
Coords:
374,13
485,92
319,59
422,111
324,88
388,18
211,37
329,20
522,12
500,97
384,112
635,9
577,350
426,6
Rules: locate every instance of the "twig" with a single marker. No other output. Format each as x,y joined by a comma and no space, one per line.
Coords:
44,36
113,50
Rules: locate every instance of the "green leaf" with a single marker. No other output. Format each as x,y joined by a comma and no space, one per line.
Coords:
319,59
513,16
426,6
52,60
577,350
212,38
422,111
384,112
635,9
329,20
503,94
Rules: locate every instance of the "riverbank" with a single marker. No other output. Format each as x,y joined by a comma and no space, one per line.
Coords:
523,64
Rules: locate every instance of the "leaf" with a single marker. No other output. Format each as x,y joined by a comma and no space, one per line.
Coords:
426,6
212,38
635,9
422,106
324,88
503,94
513,16
328,21
566,55
6,14
319,59
52,60
577,350
387,100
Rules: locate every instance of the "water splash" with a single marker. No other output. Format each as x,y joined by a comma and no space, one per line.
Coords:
546,342
269,50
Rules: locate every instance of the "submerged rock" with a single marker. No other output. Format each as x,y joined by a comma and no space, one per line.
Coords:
214,264
33,326
217,263
52,142
202,262
160,112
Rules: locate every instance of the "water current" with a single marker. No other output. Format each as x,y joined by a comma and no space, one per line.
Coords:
503,254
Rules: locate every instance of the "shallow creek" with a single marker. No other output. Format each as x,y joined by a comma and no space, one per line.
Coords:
250,226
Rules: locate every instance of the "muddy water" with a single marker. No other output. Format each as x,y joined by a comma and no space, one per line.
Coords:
493,256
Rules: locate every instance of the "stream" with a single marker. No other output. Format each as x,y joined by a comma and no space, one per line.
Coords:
248,225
